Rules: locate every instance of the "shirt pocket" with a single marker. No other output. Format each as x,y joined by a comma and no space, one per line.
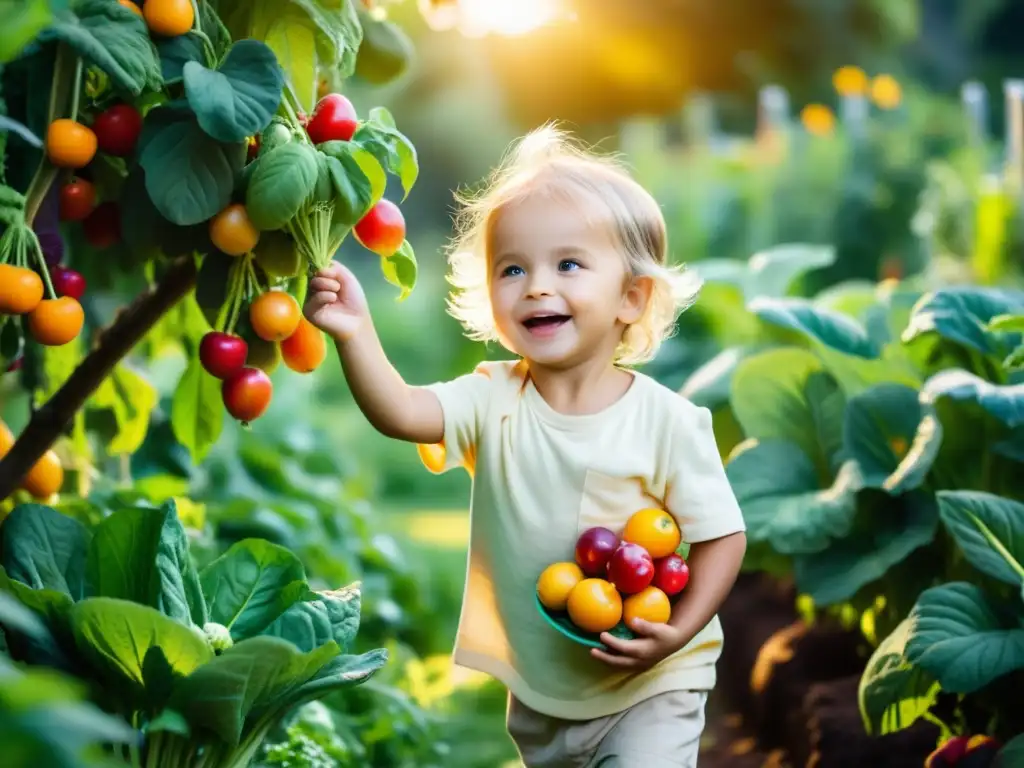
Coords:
609,500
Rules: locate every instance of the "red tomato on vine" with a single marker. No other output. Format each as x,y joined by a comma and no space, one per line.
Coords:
247,394
382,229
334,118
117,129
77,199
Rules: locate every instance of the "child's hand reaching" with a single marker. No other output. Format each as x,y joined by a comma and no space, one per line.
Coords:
653,643
336,303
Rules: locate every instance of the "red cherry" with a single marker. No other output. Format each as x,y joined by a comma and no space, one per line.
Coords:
247,394
671,574
631,568
77,199
117,129
382,229
334,118
68,282
593,549
222,355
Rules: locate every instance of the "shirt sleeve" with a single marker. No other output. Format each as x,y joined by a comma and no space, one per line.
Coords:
698,494
464,405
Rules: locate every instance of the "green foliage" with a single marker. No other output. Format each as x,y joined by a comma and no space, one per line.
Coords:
139,627
284,177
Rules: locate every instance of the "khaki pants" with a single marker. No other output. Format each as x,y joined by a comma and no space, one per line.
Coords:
661,732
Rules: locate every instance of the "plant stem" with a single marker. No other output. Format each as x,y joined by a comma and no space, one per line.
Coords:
49,421
44,269
76,88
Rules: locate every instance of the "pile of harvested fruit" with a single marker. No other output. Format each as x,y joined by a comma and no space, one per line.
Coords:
617,578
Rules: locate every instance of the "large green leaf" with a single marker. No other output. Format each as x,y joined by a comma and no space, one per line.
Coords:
112,38
878,429
400,269
823,326
237,99
293,41
961,315
386,52
189,175
123,638
176,52
782,500
351,187
251,585
324,616
284,178
197,415
340,672
884,532
393,150
1012,754
253,673
45,550
710,384
989,530
21,23
893,694
1006,403
964,639
141,554
130,400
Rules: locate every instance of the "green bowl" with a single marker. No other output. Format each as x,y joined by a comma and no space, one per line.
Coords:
560,621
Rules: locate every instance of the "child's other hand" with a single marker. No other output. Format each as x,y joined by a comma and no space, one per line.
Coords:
653,643
335,302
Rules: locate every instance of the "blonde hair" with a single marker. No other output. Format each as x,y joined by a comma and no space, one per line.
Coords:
548,157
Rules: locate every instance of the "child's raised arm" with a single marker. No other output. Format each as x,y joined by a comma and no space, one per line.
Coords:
337,305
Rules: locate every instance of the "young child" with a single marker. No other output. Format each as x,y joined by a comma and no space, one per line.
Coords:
562,260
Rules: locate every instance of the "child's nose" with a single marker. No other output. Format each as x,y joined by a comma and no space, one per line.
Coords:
540,284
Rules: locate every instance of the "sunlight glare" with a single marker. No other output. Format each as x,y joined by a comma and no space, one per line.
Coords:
505,17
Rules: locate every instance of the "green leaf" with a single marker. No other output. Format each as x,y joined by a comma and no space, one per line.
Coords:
293,41
122,639
878,429
400,269
112,38
21,23
1006,403
189,175
884,531
1012,754
52,604
176,52
285,177
251,585
237,99
961,315
989,530
12,205
771,272
769,397
351,188
386,52
782,500
131,399
824,326
322,617
141,554
964,639
1006,324
339,673
893,694
44,549
253,673
710,384
197,410
393,150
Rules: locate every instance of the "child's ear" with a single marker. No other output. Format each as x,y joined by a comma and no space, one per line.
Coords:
635,299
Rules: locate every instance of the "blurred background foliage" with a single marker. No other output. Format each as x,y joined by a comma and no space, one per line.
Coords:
842,123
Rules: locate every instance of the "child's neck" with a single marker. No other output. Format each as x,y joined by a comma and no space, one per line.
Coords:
588,387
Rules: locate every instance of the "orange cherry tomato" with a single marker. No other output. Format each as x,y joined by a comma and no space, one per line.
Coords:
21,290
6,439
305,349
131,6
70,144
655,530
45,478
55,322
274,316
168,18
232,231
77,199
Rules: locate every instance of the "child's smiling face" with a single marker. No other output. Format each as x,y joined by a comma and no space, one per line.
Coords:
559,288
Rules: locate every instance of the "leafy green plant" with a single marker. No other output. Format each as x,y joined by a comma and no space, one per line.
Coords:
205,662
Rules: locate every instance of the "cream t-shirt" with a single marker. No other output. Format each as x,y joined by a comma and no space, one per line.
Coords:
540,478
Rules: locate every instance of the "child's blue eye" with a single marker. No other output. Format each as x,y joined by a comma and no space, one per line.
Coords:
511,271
567,265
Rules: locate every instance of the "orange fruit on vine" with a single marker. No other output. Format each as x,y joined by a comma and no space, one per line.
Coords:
232,232
55,322
131,6
594,605
168,18
6,439
46,476
655,530
21,290
650,604
275,315
556,582
305,349
69,144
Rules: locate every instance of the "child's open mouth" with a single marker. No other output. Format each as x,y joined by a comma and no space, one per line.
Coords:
545,325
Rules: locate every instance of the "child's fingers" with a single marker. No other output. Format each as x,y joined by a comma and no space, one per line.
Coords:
619,644
324,284
615,660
